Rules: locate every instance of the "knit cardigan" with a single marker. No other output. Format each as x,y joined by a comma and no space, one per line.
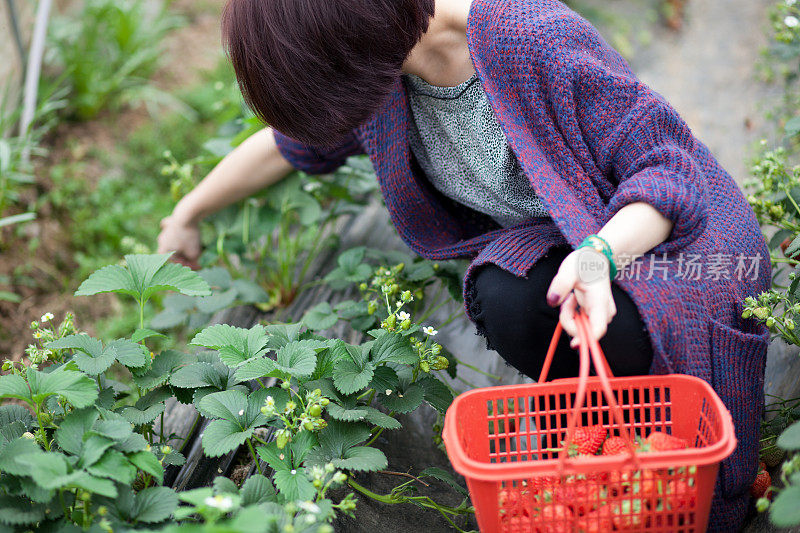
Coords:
593,138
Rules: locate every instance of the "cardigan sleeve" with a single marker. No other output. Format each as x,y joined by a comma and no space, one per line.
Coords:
317,160
630,132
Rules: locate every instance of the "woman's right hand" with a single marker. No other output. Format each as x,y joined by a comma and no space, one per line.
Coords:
180,237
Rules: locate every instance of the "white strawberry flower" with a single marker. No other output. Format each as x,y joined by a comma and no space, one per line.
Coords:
223,503
309,507
791,21
47,317
402,315
428,330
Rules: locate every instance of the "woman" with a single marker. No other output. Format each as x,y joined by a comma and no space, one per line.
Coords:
508,131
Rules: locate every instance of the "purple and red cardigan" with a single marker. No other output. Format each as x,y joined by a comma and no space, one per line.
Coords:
592,138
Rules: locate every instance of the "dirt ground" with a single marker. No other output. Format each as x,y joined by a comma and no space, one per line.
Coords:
188,51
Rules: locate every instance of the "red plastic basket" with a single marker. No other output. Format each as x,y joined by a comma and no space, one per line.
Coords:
496,438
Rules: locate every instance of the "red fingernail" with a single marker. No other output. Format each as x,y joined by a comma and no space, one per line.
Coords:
552,299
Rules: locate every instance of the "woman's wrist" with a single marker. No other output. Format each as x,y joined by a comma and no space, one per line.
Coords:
186,212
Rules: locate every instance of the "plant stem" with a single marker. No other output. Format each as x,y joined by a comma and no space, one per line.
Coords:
253,453
476,369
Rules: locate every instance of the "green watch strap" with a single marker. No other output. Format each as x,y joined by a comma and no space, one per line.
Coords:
599,244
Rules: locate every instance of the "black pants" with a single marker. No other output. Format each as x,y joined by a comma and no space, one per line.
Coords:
517,322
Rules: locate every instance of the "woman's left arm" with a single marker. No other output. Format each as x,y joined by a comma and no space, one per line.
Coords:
634,230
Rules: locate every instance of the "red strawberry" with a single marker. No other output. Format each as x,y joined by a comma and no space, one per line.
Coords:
614,446
587,440
661,442
580,494
554,518
761,484
652,487
680,496
598,521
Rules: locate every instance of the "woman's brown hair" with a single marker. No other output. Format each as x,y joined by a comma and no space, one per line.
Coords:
316,69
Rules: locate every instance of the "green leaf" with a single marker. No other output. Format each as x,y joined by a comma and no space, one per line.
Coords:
327,359
235,345
19,511
792,127
790,438
445,476
48,469
15,413
94,447
217,301
175,277
14,386
75,387
436,393
394,348
115,429
195,375
144,333
356,414
90,356
256,369
320,317
793,248
112,278
11,453
155,504
139,417
282,334
96,485
362,459
419,271
223,485
129,353
296,359
69,435
161,368
222,436
229,405
784,511
257,489
149,463
349,378
385,378
381,419
403,401
114,465
335,440
294,485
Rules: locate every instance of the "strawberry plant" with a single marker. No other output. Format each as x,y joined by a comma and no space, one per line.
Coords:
80,447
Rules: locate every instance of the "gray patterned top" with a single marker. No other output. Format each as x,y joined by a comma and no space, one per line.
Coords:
461,148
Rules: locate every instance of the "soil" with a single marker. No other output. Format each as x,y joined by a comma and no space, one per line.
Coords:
34,255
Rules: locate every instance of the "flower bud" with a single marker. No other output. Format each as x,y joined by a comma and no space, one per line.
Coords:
166,450
339,477
329,467
285,385
317,483
282,439
405,324
324,402
372,307
362,287
391,321
789,324
762,504
425,366
406,296
761,313
747,313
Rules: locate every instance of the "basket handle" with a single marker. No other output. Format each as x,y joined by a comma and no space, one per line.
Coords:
588,347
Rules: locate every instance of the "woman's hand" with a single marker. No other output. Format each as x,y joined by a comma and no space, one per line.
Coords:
583,279
183,238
